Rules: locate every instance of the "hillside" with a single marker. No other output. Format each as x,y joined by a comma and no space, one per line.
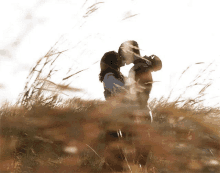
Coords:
97,136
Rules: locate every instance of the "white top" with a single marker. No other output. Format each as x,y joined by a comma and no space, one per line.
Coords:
111,83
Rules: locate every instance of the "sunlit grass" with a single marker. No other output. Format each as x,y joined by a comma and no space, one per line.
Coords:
96,136
45,133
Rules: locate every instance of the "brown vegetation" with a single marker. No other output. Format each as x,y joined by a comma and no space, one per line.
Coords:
96,136
44,133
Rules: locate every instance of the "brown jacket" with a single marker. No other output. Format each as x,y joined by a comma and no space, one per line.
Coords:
141,74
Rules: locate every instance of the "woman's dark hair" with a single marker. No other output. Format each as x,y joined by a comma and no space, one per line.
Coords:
111,62
129,45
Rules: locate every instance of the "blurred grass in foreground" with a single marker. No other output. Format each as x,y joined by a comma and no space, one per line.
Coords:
96,136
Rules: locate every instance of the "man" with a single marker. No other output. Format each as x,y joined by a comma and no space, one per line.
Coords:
140,74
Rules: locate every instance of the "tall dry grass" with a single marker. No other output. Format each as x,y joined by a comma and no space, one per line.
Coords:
75,135
45,133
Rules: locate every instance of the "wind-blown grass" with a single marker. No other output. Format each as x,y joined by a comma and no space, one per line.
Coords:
45,133
96,136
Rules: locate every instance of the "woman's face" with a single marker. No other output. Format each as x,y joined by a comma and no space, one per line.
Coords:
123,62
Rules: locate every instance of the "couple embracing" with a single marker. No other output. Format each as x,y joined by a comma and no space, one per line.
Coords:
139,75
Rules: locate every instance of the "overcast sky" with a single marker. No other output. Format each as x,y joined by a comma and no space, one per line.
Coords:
181,33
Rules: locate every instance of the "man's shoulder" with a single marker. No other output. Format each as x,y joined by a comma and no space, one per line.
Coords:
141,67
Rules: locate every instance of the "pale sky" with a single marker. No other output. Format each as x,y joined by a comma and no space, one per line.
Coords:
181,33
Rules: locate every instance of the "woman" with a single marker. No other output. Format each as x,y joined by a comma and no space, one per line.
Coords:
110,74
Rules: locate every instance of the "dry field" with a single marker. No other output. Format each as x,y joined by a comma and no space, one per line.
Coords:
43,132
97,136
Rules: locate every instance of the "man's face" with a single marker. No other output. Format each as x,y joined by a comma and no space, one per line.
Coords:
126,60
129,57
127,54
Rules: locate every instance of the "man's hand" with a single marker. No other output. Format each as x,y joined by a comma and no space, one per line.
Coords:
153,57
148,60
156,62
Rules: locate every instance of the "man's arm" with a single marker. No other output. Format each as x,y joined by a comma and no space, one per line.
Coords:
156,62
